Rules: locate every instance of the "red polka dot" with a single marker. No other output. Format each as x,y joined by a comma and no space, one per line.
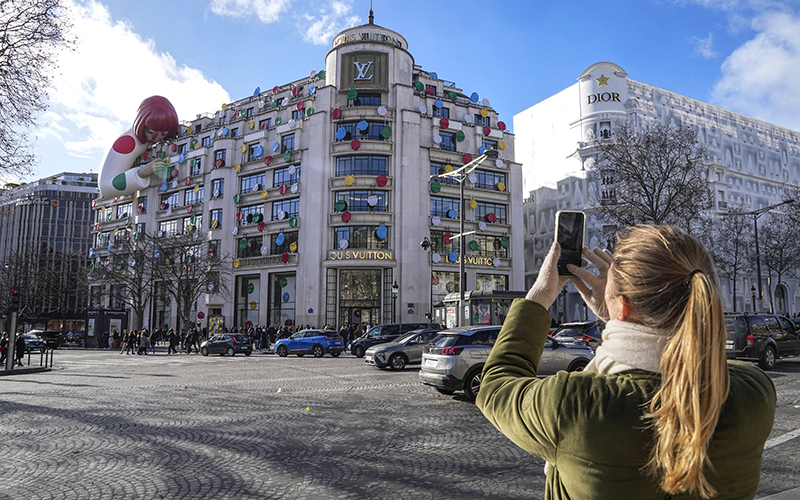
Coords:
124,145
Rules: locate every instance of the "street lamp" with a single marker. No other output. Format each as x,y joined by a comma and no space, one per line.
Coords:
426,245
756,214
753,292
461,175
564,304
395,289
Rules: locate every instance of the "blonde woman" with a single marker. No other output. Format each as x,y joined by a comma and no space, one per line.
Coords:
659,412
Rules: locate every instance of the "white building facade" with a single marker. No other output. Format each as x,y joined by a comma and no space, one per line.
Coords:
753,164
320,191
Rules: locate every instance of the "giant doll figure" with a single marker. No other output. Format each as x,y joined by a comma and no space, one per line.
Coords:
155,121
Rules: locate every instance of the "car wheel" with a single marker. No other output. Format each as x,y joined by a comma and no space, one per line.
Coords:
204,351
300,355
767,361
446,392
282,351
247,353
358,351
397,362
230,352
335,354
318,351
578,366
472,385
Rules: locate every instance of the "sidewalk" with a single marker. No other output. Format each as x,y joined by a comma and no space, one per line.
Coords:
784,495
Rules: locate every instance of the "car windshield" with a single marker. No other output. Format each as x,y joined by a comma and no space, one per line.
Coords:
406,338
446,340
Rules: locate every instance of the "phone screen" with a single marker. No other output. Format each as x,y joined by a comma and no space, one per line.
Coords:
569,234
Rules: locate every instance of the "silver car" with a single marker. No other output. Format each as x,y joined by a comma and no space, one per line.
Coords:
454,362
405,350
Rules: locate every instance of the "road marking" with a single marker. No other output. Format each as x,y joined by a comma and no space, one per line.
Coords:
782,439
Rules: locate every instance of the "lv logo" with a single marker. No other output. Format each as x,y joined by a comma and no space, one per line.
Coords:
363,69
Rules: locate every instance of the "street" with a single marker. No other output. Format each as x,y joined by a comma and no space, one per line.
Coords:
104,425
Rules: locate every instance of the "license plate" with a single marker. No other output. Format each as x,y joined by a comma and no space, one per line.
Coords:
729,345
431,363
368,357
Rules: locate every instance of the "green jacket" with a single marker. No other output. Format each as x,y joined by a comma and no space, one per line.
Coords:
589,426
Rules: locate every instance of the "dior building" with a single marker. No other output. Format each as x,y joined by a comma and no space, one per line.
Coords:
321,190
753,164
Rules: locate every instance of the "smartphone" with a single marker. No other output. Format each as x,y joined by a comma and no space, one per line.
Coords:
570,226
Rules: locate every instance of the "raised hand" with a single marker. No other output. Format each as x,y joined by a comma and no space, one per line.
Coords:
592,286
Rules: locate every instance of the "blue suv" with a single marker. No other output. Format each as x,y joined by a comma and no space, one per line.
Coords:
316,342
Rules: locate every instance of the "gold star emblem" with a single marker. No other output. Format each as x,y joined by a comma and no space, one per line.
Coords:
602,81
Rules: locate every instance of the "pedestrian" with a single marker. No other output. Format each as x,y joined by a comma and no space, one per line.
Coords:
143,342
153,341
103,341
3,347
19,349
659,412
173,342
117,343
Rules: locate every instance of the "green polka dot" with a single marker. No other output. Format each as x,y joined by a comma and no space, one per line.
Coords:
119,182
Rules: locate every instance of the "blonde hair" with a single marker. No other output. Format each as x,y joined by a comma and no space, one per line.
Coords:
672,282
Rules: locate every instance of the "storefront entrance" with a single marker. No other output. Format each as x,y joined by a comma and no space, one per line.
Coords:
359,297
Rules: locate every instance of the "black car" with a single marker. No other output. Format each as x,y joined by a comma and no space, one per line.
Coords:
384,333
589,333
764,338
226,344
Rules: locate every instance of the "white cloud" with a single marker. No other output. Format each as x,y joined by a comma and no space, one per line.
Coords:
705,46
760,77
267,11
99,86
320,29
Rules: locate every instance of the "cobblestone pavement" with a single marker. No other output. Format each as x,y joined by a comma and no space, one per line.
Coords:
105,426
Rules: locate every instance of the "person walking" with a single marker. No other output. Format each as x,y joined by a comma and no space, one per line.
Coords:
3,348
659,412
19,349
173,342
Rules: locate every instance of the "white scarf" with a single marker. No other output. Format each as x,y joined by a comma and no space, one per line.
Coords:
628,346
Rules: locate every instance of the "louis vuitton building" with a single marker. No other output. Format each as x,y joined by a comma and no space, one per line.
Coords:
320,191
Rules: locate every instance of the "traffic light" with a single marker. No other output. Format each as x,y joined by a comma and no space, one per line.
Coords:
14,304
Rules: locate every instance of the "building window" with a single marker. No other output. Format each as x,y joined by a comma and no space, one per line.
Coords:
298,114
490,246
265,124
492,282
252,183
219,157
192,198
216,216
365,99
215,246
197,226
359,237
439,246
448,140
291,208
371,133
432,90
252,214
124,210
439,169
489,144
198,128
440,206
141,227
249,113
207,141
168,227
441,112
359,201
217,188
287,143
282,176
196,166
362,165
170,200
254,152
482,121
252,248
485,208
182,149
489,180
235,133
222,120
288,239
141,202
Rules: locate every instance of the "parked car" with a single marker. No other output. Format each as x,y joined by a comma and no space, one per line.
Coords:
454,362
589,333
226,344
383,333
33,341
405,350
764,338
316,342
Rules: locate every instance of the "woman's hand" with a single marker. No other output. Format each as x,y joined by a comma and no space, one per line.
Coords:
592,287
548,283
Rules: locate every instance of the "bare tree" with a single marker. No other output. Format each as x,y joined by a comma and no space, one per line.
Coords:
780,251
731,243
31,34
655,176
188,268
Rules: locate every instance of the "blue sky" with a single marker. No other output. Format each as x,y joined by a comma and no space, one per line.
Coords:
742,55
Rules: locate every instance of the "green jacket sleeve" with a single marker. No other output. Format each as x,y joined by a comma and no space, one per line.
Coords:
520,405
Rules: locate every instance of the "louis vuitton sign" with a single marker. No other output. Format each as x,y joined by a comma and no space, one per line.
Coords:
364,70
